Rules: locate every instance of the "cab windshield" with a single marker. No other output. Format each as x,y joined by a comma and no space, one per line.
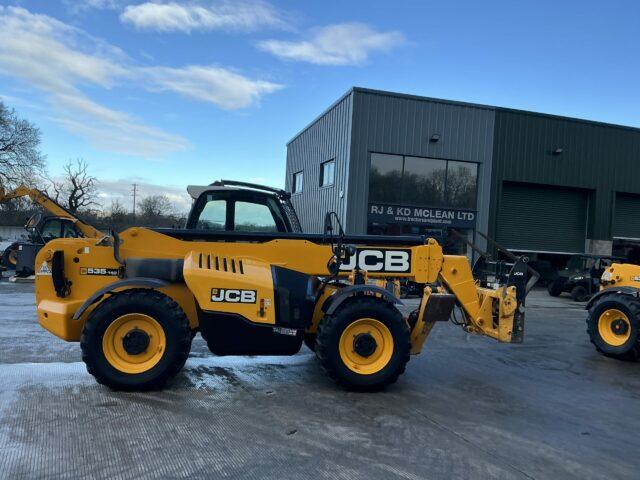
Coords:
580,264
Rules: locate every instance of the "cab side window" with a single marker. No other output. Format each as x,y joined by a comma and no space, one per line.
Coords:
253,217
213,215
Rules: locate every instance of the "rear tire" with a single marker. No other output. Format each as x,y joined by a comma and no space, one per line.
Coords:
140,317
368,366
579,294
554,289
10,256
625,344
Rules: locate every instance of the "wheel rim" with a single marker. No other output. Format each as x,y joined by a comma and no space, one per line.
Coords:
134,343
13,257
372,339
614,327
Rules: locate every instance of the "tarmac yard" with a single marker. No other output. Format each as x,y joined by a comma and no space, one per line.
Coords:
466,408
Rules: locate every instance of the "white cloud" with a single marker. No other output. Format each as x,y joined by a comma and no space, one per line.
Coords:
239,15
77,6
120,190
340,44
59,60
222,87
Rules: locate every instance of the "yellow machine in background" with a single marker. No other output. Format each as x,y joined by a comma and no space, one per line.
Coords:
134,301
53,207
614,313
20,256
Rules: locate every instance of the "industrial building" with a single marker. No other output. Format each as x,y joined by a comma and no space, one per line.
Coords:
395,163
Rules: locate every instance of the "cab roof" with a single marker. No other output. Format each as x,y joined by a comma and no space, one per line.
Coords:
225,185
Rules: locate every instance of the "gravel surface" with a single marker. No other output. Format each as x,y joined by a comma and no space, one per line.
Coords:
466,408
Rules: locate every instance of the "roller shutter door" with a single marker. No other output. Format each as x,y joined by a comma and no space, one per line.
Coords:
541,218
626,220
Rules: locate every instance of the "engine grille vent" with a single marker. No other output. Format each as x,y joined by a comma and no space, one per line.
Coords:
225,264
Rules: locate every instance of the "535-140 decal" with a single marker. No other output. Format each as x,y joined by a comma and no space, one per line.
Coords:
101,271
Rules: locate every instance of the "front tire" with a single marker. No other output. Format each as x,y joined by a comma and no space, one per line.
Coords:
136,340
613,326
309,340
364,345
554,289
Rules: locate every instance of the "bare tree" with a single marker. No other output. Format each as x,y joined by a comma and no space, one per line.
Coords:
117,209
77,189
155,206
20,157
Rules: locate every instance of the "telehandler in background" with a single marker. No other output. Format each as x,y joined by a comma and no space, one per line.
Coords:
613,322
20,256
250,287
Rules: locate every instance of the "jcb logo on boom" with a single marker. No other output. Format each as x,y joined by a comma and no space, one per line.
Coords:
379,260
232,295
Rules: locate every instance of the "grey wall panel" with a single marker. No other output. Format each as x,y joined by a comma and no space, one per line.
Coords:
402,124
598,157
327,138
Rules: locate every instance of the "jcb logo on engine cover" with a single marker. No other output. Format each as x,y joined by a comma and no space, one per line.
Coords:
231,295
379,260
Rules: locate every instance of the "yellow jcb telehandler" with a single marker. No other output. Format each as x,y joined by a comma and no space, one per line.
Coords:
614,313
251,286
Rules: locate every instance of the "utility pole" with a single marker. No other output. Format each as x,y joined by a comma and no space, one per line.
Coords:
135,191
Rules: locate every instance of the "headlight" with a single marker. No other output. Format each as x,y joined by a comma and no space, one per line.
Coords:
575,279
607,276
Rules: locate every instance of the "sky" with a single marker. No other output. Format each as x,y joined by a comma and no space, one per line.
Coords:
170,93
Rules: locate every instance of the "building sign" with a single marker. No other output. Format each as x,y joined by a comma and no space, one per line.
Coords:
429,216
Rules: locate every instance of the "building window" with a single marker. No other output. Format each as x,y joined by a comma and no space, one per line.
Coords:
385,179
296,186
462,178
422,181
327,170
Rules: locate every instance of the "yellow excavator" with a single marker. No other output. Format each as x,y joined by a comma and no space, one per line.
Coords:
59,223
252,286
613,322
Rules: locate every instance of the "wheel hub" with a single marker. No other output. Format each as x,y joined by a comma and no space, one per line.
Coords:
614,327
136,341
619,327
364,344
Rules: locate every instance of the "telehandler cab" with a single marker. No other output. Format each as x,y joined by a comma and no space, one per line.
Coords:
135,300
